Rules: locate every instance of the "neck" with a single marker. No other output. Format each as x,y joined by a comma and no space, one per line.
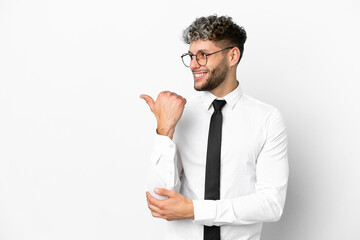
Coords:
227,86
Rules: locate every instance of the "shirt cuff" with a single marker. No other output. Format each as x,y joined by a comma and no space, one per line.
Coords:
204,212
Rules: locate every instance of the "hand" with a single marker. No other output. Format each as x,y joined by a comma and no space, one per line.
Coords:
176,207
167,109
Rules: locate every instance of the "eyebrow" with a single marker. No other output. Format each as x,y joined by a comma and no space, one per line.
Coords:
201,50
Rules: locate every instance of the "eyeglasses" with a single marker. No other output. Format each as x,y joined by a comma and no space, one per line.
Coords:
201,57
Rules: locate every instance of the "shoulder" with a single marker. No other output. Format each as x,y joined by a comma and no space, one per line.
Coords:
251,104
256,104
258,110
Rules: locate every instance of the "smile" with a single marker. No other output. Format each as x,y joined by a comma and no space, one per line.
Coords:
199,76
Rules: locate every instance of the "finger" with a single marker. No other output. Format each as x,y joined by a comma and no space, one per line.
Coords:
164,93
182,98
155,211
155,214
151,197
148,195
148,100
153,208
163,192
154,201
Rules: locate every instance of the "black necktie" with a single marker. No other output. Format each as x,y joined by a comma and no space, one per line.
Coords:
212,175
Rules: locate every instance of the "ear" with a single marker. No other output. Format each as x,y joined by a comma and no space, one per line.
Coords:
234,56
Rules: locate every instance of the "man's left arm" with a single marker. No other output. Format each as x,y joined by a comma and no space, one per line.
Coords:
264,205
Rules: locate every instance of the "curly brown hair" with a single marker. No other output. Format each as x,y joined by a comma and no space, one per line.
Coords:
221,30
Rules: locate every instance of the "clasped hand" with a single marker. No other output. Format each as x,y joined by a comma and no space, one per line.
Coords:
176,207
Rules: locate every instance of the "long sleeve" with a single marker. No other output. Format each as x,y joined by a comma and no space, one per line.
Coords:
266,203
165,168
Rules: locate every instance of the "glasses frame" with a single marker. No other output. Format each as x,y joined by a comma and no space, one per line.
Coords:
197,60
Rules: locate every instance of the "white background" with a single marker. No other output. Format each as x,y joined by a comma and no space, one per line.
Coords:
75,137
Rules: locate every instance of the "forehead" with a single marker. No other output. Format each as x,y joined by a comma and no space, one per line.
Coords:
202,45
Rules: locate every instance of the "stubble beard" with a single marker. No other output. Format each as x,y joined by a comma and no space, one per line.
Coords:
216,77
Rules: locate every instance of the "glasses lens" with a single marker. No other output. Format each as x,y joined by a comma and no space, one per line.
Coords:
201,58
186,58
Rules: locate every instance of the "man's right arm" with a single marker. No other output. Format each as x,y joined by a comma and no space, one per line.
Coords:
165,163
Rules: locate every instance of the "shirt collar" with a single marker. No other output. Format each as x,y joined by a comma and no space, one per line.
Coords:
231,98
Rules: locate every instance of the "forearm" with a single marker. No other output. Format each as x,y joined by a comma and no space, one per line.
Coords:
165,168
261,206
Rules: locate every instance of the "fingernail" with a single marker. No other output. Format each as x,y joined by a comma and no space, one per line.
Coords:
156,190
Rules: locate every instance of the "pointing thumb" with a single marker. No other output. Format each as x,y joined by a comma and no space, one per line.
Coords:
148,100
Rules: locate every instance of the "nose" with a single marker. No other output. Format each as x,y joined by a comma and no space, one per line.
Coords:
193,63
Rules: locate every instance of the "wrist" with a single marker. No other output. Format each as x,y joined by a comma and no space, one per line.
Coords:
191,209
166,132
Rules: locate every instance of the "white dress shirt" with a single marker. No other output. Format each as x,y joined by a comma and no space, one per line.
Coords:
254,167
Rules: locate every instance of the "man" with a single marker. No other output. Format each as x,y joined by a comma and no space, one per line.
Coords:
224,171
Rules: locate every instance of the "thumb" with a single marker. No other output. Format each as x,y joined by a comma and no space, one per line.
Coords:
148,100
163,192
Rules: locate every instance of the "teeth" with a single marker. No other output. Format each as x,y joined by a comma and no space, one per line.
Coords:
199,74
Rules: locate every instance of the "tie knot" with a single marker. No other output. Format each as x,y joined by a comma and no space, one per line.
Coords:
218,104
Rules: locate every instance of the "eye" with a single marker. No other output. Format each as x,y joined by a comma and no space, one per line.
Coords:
201,55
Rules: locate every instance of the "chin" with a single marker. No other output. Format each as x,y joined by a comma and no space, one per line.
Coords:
199,86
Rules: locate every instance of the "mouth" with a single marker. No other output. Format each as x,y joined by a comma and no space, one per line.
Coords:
199,75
